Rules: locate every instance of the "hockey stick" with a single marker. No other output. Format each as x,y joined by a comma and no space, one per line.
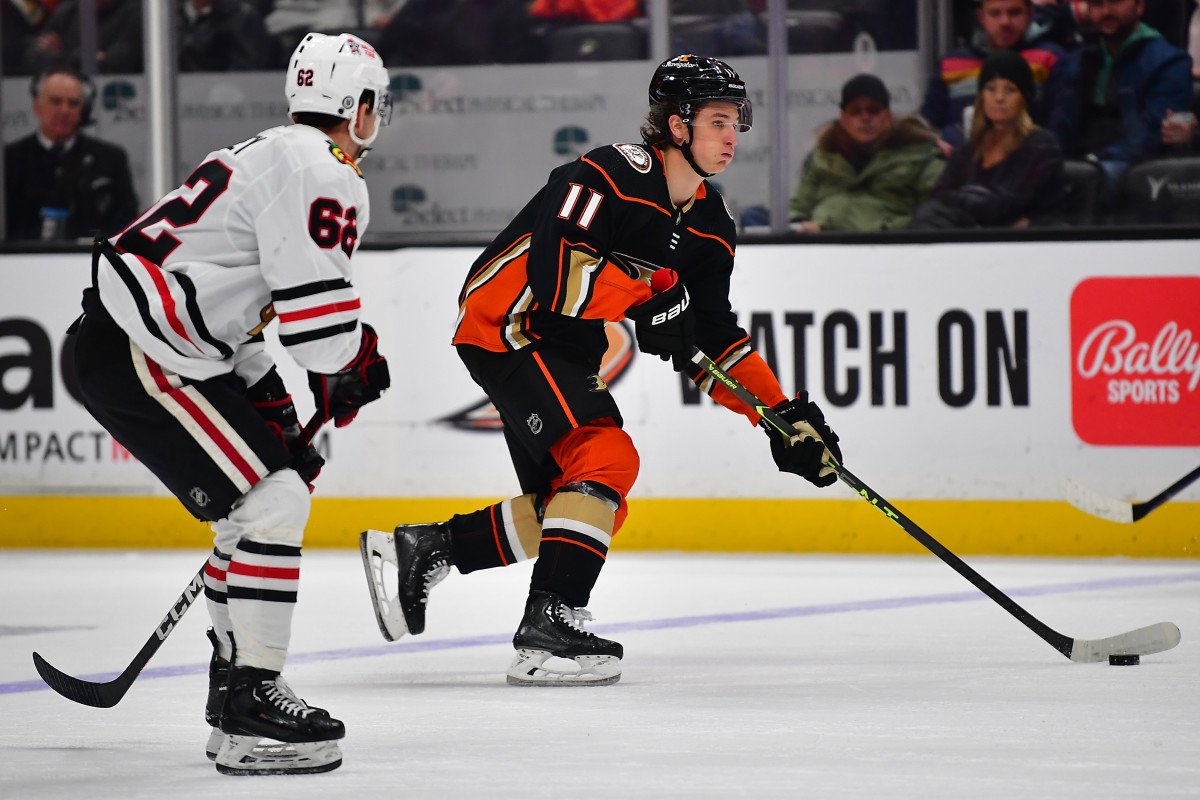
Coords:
1108,508
107,695
1143,641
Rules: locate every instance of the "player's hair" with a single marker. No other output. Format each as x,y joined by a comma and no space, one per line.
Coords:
328,122
656,128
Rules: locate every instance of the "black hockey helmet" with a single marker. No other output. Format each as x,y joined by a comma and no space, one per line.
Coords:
689,81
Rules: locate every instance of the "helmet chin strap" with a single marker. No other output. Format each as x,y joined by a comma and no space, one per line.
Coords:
686,149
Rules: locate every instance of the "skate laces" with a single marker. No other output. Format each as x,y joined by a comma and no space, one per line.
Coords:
575,617
282,696
436,573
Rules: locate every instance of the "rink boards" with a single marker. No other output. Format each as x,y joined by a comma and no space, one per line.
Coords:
964,381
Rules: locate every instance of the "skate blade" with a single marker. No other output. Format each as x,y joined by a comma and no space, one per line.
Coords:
213,746
250,755
379,560
529,668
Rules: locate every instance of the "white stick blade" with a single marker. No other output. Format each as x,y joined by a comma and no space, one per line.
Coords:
1095,504
1142,642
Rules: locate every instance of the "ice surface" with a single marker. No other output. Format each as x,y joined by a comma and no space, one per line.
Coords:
757,676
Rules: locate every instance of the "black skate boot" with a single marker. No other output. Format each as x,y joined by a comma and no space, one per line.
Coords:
260,705
422,559
218,683
551,628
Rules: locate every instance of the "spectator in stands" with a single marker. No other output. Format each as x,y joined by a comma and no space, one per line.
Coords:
118,34
223,36
1009,173
1060,21
1121,89
60,184
1005,25
868,171
20,21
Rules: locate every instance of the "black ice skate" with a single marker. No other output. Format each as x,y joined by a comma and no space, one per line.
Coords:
551,628
218,683
421,557
260,705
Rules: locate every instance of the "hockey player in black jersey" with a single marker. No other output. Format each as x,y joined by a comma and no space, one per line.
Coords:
171,360
604,239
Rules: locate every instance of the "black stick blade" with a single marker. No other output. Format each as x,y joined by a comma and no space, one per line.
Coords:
97,695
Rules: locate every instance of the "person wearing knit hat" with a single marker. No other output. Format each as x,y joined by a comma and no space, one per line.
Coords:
1009,172
1000,25
1013,67
868,171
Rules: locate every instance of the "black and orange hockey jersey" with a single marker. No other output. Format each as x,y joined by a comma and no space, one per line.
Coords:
550,276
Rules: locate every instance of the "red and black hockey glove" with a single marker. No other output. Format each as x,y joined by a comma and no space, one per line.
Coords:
271,399
806,455
339,396
664,324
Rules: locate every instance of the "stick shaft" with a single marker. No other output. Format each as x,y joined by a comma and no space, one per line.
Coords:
107,695
775,424
1142,509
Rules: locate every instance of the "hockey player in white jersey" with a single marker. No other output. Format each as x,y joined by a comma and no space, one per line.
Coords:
170,357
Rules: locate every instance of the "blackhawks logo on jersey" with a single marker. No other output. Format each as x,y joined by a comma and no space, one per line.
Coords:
341,156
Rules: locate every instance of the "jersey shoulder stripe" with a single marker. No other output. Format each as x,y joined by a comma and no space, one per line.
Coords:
629,179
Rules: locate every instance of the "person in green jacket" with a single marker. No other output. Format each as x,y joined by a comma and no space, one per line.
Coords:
868,171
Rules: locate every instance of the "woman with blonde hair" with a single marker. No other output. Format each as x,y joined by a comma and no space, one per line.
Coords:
1009,172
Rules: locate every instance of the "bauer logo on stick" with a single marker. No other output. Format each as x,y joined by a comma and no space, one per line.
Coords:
1135,361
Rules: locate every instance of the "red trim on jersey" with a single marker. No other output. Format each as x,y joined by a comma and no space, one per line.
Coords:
206,424
168,302
320,311
214,573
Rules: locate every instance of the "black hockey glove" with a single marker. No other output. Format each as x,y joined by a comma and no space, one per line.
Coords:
271,399
805,455
339,396
664,324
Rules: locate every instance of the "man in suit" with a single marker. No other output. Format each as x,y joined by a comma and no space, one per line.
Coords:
59,183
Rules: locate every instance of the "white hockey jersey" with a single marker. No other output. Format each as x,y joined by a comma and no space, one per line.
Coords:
262,229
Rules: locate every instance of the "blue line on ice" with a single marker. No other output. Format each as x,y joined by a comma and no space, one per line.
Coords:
408,646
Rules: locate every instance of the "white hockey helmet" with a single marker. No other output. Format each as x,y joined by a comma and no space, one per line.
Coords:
330,74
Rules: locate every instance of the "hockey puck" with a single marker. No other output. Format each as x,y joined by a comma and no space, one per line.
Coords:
1131,660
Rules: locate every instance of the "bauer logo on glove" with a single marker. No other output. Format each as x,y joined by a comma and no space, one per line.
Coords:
664,324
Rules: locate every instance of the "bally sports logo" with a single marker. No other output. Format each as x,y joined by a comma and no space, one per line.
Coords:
1135,345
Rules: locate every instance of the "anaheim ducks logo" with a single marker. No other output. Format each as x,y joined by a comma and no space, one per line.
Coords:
483,416
341,156
637,156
